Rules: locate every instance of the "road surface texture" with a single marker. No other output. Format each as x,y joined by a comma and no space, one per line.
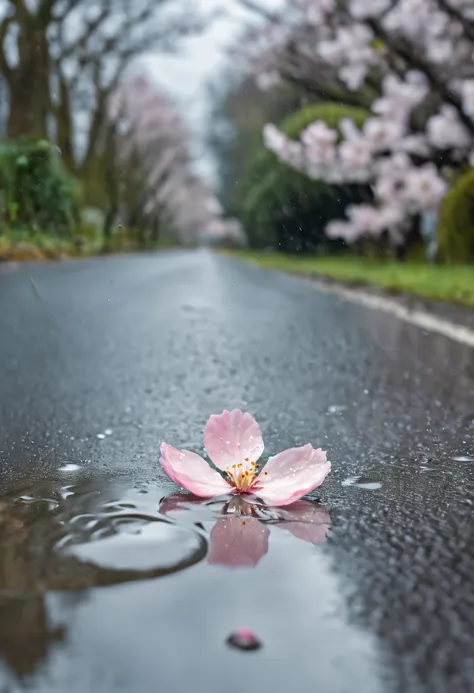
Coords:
101,360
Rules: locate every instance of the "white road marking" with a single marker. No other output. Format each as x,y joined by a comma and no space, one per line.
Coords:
427,321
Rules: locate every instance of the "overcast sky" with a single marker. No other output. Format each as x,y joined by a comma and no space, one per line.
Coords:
184,76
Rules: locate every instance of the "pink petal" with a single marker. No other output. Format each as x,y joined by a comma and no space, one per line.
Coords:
238,542
305,520
231,437
292,474
192,472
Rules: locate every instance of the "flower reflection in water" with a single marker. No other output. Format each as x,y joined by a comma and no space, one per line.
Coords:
240,531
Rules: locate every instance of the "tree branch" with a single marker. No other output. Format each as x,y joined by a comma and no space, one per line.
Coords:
404,50
467,25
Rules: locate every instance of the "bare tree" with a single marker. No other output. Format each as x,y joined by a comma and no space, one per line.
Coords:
62,58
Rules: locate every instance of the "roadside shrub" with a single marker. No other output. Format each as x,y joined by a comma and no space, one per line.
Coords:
456,222
36,192
285,209
331,113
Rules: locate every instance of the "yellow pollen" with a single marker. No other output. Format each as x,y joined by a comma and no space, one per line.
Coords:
241,475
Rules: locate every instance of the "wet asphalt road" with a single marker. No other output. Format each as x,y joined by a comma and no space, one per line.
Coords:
148,347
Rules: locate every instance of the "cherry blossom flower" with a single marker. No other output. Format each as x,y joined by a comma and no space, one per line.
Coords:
399,97
467,93
445,130
425,188
320,152
341,229
366,218
273,138
383,133
233,441
362,9
411,60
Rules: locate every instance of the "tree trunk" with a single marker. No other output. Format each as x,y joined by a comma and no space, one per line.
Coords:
155,231
29,85
64,125
411,240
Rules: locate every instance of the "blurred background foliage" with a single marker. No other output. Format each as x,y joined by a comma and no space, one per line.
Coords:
93,155
456,221
78,176
285,209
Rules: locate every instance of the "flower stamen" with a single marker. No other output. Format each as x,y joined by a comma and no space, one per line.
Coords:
242,476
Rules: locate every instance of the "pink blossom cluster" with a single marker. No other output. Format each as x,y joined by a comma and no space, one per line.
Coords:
415,58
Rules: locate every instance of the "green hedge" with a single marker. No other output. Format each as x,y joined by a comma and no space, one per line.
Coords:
287,210
330,113
36,192
456,222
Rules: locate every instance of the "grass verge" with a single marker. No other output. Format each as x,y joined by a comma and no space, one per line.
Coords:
452,284
28,246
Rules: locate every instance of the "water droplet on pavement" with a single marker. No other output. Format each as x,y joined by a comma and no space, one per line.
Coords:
138,544
69,467
336,408
362,482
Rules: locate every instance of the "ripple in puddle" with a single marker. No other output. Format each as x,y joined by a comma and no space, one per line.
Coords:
88,535
139,545
93,534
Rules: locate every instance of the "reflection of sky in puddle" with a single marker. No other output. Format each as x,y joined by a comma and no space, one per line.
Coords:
170,633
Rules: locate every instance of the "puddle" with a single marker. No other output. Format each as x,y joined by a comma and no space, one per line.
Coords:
93,534
239,530
139,545
362,482
84,535
105,587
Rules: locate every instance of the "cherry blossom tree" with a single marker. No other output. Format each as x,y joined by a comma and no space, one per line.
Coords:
157,182
411,63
